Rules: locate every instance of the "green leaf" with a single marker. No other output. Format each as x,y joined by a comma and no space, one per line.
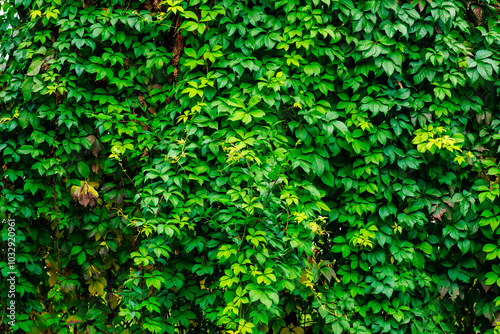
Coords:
26,89
337,328
254,100
419,260
120,37
81,258
35,66
483,54
426,248
318,165
24,119
76,250
312,69
83,169
97,29
488,248
25,149
485,71
264,299
341,126
328,179
491,278
255,295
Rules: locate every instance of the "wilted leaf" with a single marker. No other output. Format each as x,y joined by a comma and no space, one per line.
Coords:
85,194
96,147
73,319
439,211
486,287
443,290
91,139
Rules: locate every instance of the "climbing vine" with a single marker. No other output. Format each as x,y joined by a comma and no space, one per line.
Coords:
277,166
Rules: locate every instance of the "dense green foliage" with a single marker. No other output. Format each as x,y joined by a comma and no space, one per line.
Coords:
267,166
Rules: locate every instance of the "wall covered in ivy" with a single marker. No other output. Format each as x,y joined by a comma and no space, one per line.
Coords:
274,166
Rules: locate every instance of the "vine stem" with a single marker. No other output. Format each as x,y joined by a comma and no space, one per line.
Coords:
54,194
125,172
270,190
277,178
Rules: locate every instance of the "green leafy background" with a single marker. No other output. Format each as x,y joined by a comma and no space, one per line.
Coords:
243,167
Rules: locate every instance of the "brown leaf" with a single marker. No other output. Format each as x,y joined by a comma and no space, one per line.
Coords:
449,201
76,192
148,5
84,200
91,139
103,251
497,318
479,13
480,117
440,210
486,287
53,279
178,49
96,147
443,291
73,319
85,194
142,100
489,116
455,292
479,148
93,200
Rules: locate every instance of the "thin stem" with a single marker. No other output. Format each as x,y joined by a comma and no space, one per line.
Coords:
270,190
124,171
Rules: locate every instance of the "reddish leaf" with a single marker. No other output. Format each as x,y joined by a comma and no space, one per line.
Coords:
96,147
438,213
